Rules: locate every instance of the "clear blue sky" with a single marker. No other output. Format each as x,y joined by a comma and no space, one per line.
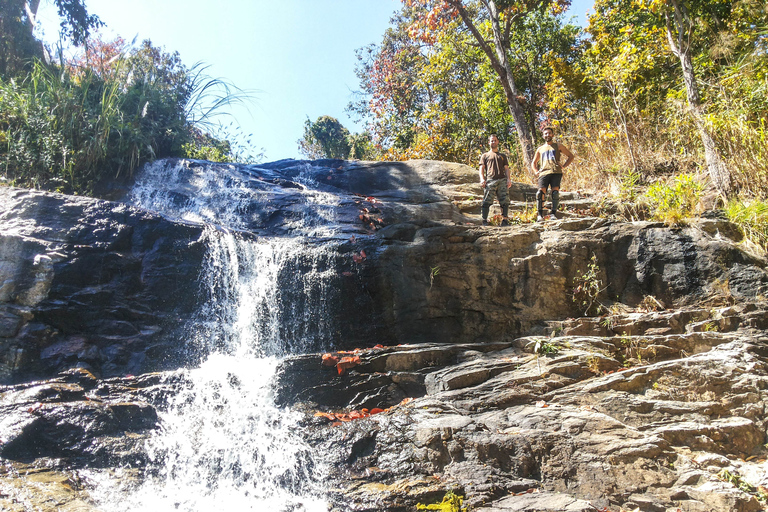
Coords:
298,54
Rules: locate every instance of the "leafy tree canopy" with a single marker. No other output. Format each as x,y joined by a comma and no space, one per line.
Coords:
325,138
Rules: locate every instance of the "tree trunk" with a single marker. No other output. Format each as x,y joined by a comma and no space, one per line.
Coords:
500,64
718,172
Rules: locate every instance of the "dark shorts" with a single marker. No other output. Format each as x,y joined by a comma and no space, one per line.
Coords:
550,180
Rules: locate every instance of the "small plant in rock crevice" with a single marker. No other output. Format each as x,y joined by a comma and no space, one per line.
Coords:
433,272
451,503
587,287
738,481
545,348
593,364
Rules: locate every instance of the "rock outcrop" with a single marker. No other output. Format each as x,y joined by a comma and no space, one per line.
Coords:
488,372
642,421
110,287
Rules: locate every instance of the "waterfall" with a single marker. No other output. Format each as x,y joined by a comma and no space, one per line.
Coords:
222,443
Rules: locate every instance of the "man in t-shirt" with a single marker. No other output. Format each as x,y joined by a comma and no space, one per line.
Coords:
546,165
494,177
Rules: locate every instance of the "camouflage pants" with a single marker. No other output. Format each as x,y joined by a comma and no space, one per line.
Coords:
497,189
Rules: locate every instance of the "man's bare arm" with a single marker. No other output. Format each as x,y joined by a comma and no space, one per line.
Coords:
535,162
568,156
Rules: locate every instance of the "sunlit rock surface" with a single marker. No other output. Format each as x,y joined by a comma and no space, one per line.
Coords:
520,401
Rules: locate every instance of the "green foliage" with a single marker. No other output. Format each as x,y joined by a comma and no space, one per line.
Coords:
545,348
587,287
325,138
67,126
752,218
204,152
672,204
18,47
451,503
736,480
362,147
440,100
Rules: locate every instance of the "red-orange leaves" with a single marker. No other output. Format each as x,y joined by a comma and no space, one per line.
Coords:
338,417
347,362
330,360
359,257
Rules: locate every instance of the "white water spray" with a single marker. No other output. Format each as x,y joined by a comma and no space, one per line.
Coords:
223,444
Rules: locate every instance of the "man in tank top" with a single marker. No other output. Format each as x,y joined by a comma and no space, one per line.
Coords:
494,177
546,165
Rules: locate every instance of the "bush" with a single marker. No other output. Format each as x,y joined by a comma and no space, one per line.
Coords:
752,218
65,127
674,203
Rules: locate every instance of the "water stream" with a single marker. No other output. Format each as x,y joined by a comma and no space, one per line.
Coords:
222,443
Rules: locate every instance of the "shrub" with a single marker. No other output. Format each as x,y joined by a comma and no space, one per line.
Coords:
674,203
752,218
67,126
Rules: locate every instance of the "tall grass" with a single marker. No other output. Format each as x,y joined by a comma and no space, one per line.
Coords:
67,126
752,218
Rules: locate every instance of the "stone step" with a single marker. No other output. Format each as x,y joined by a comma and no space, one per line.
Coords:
666,322
474,206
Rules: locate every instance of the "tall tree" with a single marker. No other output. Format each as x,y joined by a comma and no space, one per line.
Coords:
686,25
325,138
17,23
434,94
679,21
490,22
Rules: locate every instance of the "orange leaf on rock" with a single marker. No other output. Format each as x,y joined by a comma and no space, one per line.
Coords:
347,363
330,360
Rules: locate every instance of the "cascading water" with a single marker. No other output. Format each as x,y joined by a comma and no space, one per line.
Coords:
223,444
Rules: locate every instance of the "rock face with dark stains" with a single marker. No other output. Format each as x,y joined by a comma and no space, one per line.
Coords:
488,379
111,287
580,422
592,422
91,282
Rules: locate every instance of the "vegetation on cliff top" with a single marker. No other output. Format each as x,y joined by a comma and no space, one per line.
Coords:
67,124
653,87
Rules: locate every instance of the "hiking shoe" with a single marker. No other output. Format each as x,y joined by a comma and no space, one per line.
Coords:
553,216
485,222
539,218
505,222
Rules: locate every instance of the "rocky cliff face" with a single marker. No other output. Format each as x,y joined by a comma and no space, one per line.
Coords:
524,399
90,283
106,285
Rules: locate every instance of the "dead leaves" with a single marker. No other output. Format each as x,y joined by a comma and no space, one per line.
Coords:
343,360
341,364
346,363
337,418
359,257
370,217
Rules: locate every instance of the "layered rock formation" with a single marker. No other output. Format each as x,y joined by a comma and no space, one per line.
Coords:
521,401
111,287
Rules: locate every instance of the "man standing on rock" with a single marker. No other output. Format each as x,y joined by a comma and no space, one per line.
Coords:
494,177
546,165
